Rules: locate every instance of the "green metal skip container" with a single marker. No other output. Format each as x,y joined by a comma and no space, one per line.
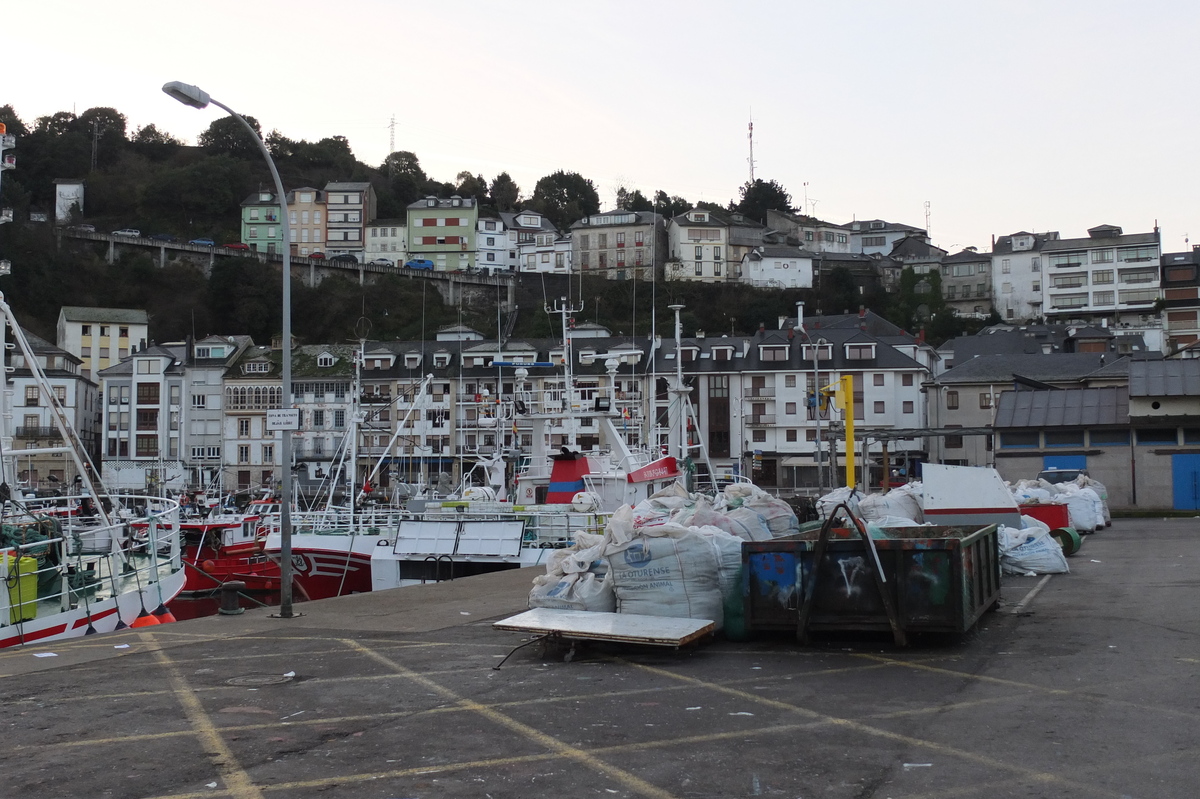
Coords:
939,579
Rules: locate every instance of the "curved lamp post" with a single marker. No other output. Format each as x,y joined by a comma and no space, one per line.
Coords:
197,98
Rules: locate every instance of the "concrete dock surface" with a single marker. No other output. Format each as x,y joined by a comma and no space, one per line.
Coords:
1080,685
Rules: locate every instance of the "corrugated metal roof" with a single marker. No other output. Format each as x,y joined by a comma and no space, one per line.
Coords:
1166,378
1072,407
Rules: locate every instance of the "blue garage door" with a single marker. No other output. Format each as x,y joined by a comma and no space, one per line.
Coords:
1185,474
1064,462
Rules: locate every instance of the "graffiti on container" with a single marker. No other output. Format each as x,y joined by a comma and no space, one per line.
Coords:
853,569
929,577
774,574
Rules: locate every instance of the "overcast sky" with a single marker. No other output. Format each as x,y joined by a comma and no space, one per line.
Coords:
1002,116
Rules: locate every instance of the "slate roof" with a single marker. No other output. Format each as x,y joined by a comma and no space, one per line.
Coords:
1165,378
967,257
760,253
130,316
176,352
1058,367
1102,241
1003,245
640,218
465,202
347,186
1073,407
512,221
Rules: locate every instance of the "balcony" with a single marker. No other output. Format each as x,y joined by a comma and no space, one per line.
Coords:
371,399
37,432
760,420
759,391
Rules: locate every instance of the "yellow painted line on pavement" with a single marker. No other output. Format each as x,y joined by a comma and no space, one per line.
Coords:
1029,686
237,782
620,776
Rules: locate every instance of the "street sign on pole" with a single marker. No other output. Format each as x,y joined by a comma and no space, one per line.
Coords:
283,419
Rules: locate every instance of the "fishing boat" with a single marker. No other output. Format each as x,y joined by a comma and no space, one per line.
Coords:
488,523
72,565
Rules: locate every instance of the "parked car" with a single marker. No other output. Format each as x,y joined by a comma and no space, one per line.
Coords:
344,258
318,256
128,231
419,263
237,245
1057,476
163,237
203,242
382,262
82,228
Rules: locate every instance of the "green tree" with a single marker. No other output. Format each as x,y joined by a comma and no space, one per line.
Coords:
406,179
13,122
670,206
564,197
505,192
636,201
152,136
108,123
56,124
839,292
468,185
759,197
227,136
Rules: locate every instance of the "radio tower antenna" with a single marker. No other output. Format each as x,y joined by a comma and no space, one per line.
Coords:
927,236
392,143
751,158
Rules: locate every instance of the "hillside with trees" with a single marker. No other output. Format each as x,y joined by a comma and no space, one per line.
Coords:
148,179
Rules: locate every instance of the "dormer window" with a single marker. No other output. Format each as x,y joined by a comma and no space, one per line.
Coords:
878,225
412,360
203,352
776,352
456,201
325,360
264,196
688,354
431,202
700,218
441,360
860,352
722,353
256,367
824,352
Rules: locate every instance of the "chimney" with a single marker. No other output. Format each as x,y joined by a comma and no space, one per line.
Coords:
800,314
762,330
791,333
782,322
921,335
699,334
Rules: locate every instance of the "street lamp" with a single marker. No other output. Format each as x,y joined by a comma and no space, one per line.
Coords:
197,98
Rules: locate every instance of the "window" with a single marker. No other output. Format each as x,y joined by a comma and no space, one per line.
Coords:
104,330
1068,259
1035,264
199,400
1103,298
326,360
31,396
1127,254
791,435
1005,266
1006,288
1102,256
906,380
1070,281
602,240
318,419
789,407
243,453
985,399
1036,286
147,446
953,442
907,406
952,400
1063,438
841,238
339,420
877,380
243,428
879,406
699,267
147,394
808,235
123,332
1120,438
869,241
1163,437
85,330
759,436
268,453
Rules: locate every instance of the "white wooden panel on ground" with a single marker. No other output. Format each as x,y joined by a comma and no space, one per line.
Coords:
627,627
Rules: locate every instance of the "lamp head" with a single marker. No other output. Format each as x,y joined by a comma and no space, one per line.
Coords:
187,94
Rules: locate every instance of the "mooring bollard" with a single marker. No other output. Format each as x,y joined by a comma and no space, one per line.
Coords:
229,598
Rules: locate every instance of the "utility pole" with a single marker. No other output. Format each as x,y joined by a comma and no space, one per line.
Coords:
392,146
95,141
751,158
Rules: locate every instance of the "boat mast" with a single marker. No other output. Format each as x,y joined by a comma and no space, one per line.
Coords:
565,310
677,415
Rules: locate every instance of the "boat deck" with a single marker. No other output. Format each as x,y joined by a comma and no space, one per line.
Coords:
1082,685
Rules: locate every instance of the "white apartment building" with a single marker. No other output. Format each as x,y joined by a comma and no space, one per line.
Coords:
349,207
877,237
698,244
1017,275
1109,276
535,245
778,267
492,244
387,238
